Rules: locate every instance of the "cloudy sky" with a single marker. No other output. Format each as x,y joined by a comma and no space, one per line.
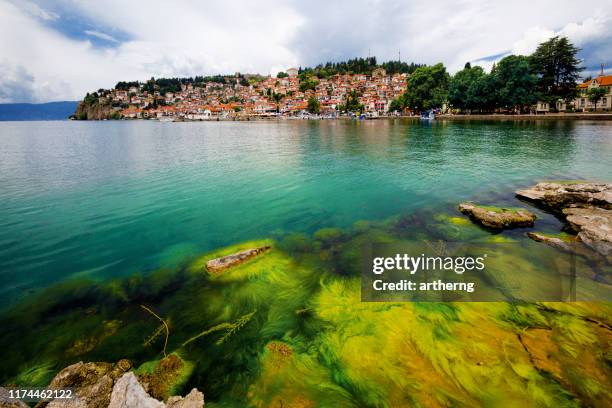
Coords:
58,50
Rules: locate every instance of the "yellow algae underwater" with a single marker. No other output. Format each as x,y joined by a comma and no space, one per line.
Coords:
288,329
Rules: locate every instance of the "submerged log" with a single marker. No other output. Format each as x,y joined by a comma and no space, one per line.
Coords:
218,265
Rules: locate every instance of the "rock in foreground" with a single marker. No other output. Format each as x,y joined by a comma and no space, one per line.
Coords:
7,402
220,264
92,384
559,195
498,218
128,393
594,228
102,385
586,206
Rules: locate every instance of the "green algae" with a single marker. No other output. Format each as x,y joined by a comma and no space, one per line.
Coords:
38,375
228,329
454,228
166,377
566,182
288,328
500,210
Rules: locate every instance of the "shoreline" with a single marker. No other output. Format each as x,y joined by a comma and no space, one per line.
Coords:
477,117
547,116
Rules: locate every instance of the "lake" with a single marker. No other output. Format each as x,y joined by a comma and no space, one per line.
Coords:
105,228
106,199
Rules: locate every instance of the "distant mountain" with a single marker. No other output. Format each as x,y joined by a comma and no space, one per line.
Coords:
37,111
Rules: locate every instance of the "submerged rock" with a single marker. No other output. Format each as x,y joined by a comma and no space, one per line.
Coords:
84,345
498,218
594,228
568,246
554,242
559,195
225,262
195,399
165,377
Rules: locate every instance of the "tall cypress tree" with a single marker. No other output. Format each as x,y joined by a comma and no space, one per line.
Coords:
557,67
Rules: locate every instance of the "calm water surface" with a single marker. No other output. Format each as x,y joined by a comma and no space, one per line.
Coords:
104,199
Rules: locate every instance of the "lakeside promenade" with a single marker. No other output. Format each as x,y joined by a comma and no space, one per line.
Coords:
474,117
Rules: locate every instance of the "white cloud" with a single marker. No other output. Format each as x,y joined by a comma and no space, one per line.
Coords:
100,35
590,29
36,11
16,84
532,37
167,40
191,37
599,26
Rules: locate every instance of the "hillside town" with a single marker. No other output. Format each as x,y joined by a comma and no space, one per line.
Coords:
286,94
360,88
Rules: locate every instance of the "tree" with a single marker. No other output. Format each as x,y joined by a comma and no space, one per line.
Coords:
483,93
394,67
314,106
595,94
427,88
352,103
516,83
276,97
397,104
308,82
459,95
557,69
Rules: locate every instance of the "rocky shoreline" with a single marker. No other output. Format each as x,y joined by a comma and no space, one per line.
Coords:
586,208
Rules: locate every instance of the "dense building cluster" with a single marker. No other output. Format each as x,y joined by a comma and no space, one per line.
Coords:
237,96
546,81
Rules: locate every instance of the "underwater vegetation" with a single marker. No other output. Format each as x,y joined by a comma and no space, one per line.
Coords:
288,329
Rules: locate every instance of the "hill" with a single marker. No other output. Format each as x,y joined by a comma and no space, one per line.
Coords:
37,111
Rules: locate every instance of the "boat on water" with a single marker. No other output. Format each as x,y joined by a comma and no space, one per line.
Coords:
166,119
429,115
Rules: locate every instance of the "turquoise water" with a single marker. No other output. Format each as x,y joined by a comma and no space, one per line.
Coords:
105,199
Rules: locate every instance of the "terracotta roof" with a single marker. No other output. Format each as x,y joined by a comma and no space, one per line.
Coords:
605,80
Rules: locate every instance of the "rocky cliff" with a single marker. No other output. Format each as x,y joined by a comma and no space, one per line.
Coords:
95,109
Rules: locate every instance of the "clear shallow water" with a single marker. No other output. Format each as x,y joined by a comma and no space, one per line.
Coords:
103,199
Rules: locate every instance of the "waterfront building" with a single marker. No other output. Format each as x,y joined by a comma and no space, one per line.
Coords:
582,102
